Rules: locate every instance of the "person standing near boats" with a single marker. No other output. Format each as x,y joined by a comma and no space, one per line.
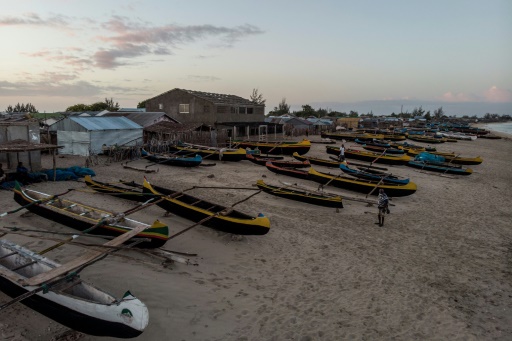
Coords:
341,158
383,203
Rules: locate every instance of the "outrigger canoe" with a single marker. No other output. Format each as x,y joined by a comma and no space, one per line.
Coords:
352,136
451,157
173,160
314,198
211,153
294,172
376,176
277,148
363,186
317,161
370,156
81,217
72,302
188,206
281,163
439,167
341,181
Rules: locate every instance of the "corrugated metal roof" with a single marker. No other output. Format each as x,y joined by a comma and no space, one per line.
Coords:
105,123
145,119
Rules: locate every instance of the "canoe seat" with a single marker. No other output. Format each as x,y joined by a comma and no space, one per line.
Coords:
197,202
8,255
24,265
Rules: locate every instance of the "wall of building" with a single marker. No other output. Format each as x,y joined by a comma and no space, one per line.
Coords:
201,111
26,132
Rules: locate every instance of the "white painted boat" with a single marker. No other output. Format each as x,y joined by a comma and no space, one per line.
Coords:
73,302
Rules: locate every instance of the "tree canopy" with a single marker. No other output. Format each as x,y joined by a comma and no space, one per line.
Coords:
22,108
108,104
257,98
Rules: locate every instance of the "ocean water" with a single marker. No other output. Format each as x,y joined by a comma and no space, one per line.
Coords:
500,127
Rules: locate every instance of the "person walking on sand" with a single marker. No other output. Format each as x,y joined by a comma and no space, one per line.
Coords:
341,158
382,202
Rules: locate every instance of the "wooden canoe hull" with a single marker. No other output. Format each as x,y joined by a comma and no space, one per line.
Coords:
317,161
158,233
281,163
281,148
452,158
195,209
439,168
302,196
90,316
392,190
211,154
387,178
370,156
174,160
296,173
236,222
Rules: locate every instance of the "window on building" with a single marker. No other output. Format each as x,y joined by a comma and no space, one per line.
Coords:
242,110
160,106
206,109
250,110
184,108
221,109
234,110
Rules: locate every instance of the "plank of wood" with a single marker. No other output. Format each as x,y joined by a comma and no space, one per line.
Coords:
77,262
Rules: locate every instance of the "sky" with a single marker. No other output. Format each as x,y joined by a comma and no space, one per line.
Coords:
379,56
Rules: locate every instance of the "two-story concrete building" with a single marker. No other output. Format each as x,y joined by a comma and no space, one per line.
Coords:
188,106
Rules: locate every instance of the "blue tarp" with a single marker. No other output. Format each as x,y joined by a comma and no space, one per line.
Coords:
62,174
427,157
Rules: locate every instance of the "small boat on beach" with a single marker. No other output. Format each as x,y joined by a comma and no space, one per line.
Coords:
426,139
173,160
317,161
373,175
294,172
363,186
278,147
281,163
351,136
220,217
207,152
82,217
451,157
69,301
370,156
386,150
314,198
437,163
345,182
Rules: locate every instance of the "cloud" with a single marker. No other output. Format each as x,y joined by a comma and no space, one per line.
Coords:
457,97
33,19
493,94
496,95
72,57
197,78
133,39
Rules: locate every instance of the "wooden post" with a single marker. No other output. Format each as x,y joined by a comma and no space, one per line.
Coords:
54,165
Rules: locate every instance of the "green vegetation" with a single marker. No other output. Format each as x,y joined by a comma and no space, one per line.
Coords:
22,108
98,106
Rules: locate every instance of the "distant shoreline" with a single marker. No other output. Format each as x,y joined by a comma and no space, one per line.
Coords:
498,133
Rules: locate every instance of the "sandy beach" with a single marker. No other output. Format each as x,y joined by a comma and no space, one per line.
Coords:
440,268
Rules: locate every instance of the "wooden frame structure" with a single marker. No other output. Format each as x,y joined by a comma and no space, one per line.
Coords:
20,146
